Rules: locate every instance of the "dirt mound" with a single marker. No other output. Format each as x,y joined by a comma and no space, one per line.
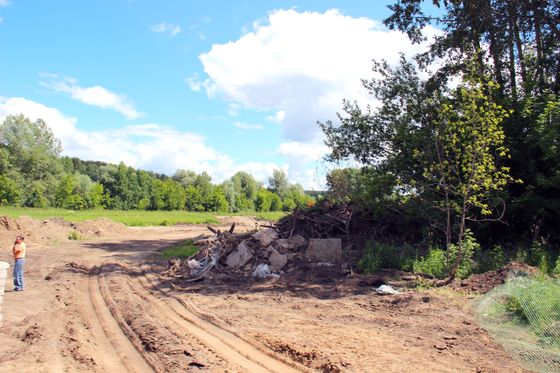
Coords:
56,229
484,282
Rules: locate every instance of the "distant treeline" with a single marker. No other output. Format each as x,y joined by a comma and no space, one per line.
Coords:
33,174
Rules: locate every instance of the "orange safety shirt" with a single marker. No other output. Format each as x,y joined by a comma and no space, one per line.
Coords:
19,250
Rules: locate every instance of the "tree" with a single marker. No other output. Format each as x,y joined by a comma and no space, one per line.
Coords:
246,188
185,177
342,184
278,182
263,200
10,194
468,140
31,147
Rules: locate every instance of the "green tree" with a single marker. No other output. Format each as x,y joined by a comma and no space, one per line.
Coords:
31,147
263,200
278,182
469,140
10,193
246,188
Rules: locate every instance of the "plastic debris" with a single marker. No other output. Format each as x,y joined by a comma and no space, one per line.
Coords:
386,290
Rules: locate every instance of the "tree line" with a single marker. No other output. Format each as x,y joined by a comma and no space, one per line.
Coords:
464,140
33,174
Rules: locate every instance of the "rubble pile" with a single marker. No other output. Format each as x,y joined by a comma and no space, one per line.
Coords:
261,255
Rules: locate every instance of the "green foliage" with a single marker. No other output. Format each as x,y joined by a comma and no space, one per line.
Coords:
537,301
273,216
556,270
370,262
31,146
378,255
439,263
490,260
73,235
10,193
183,250
435,263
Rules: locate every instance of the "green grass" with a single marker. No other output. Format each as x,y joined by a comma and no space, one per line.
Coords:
135,218
184,250
271,215
138,218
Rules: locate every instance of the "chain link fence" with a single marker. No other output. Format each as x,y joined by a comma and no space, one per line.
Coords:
523,315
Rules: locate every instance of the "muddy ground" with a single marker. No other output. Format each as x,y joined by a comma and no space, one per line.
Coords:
100,304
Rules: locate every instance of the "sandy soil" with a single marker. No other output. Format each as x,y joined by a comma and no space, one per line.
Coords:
100,305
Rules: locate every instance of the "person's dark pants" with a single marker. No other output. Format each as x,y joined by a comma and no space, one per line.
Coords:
18,274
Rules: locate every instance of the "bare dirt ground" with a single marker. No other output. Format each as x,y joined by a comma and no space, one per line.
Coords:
100,305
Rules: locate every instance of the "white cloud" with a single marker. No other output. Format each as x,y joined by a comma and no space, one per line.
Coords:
4,3
169,29
303,152
278,117
301,64
149,146
95,96
248,126
194,83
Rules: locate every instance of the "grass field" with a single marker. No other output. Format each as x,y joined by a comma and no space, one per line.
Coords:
183,250
137,218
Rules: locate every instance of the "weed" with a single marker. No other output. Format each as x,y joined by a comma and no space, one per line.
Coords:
73,235
183,250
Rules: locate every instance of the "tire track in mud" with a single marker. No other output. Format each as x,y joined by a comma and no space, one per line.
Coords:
116,339
231,346
154,336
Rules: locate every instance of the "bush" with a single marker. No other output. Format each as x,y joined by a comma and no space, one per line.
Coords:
378,255
491,260
556,270
74,235
435,264
438,263
370,262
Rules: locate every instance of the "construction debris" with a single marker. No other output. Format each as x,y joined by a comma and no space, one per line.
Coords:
262,255
325,250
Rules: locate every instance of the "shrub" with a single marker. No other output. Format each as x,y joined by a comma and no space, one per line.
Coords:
370,262
438,263
491,260
435,264
378,255
74,235
556,270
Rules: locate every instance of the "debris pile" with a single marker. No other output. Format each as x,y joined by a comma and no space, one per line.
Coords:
262,254
320,222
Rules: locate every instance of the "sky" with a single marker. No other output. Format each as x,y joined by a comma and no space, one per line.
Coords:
215,86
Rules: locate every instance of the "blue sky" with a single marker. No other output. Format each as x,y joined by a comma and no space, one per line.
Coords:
216,86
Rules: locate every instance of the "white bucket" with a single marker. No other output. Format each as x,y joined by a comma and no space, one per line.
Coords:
3,279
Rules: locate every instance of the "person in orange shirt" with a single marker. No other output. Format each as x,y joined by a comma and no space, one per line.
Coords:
19,256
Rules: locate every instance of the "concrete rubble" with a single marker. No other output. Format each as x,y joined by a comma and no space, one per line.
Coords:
263,254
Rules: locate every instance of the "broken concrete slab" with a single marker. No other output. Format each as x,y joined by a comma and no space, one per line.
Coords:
240,256
277,260
292,243
265,237
327,250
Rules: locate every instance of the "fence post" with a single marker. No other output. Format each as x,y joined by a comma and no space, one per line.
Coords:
3,279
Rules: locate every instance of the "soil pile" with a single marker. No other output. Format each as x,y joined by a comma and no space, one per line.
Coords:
484,282
56,229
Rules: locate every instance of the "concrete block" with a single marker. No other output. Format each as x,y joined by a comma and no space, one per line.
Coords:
240,256
327,250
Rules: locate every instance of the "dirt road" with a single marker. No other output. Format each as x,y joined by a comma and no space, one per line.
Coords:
101,306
